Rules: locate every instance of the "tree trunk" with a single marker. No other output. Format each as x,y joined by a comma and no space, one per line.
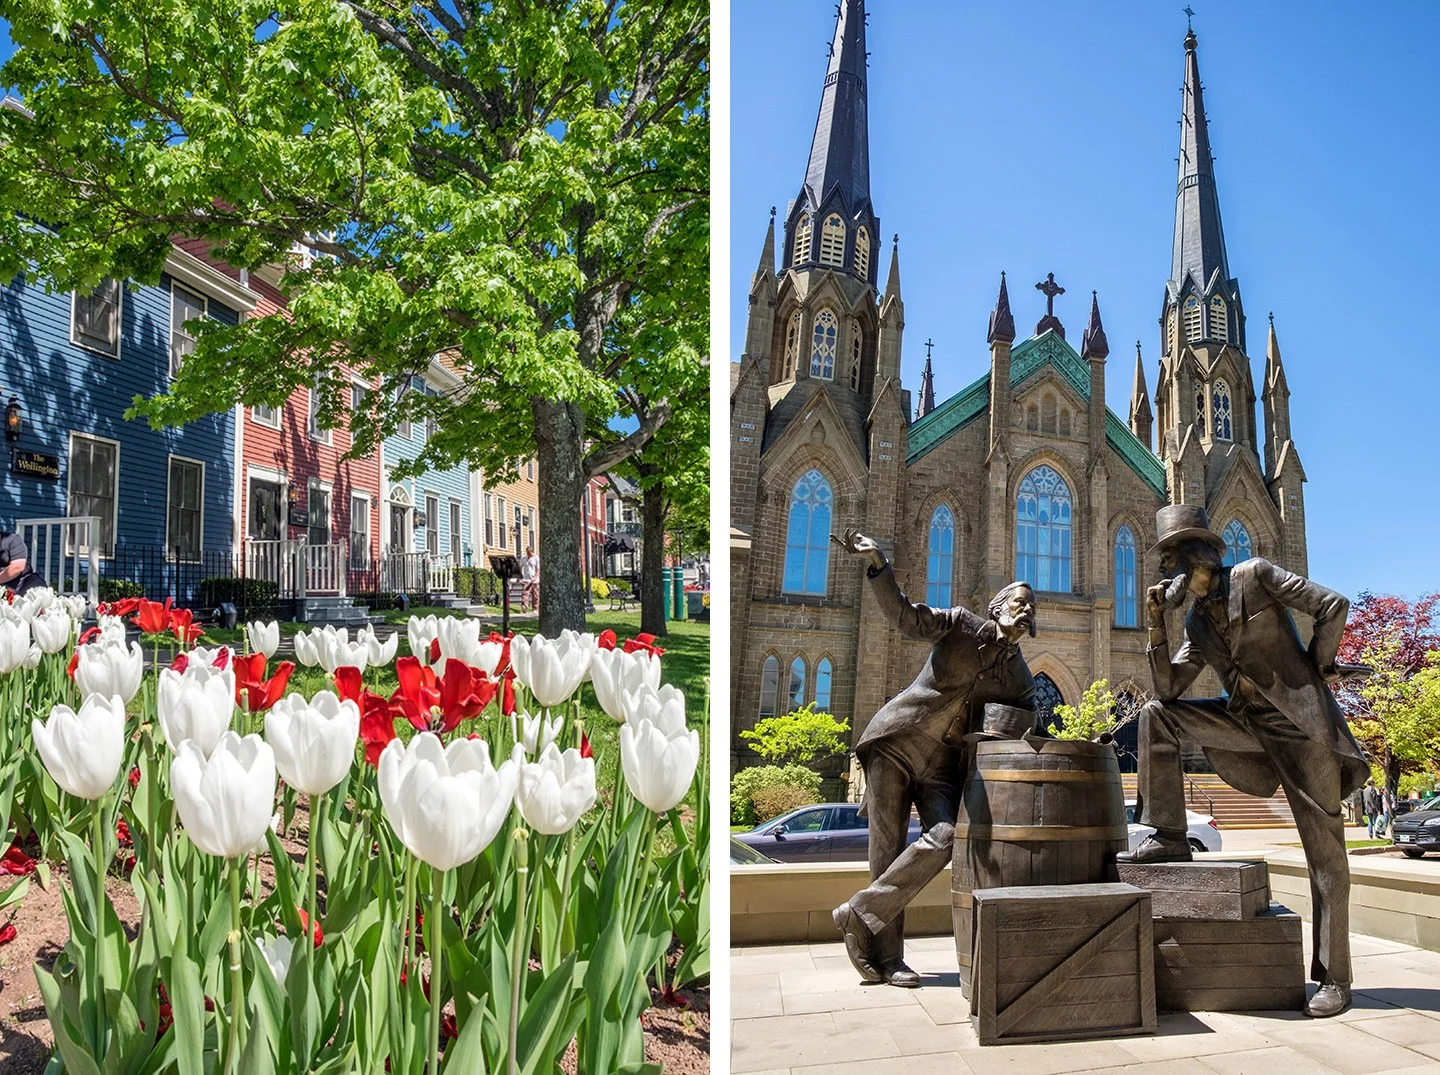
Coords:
652,559
559,436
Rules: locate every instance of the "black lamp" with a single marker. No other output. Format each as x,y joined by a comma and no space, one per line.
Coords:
13,421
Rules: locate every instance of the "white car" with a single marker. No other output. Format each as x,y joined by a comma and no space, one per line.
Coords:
1204,834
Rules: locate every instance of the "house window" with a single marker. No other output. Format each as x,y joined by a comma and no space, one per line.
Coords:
318,432
184,499
807,535
1042,531
94,476
504,544
822,349
360,532
801,251
403,427
432,524
1220,394
529,528
1219,323
832,241
769,686
862,253
267,499
792,346
822,684
1192,318
940,564
95,318
1237,544
185,306
318,514
455,532
795,695
489,521
358,392
1125,576
265,416
530,470
516,509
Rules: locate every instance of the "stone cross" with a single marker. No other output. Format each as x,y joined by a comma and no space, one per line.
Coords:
928,345
1050,289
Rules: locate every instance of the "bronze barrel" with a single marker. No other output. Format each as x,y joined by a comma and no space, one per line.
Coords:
1035,812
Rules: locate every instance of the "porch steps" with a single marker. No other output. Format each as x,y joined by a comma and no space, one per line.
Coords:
339,611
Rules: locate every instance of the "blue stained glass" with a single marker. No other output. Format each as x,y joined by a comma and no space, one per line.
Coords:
1125,611
1237,544
940,564
822,685
797,683
807,535
1042,531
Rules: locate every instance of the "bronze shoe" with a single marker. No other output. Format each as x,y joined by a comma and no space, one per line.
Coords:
1157,848
857,942
901,976
1330,999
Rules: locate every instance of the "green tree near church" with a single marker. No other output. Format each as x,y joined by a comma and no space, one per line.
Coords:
519,187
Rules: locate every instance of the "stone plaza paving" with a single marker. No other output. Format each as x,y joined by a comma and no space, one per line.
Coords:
800,1010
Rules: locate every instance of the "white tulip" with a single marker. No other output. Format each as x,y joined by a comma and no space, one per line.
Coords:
196,704
77,605
225,801
459,641
36,601
445,803
314,742
534,733
379,654
613,672
487,657
112,629
339,652
82,751
585,642
552,669
14,645
277,952
554,791
108,668
32,659
658,767
419,633
264,637
305,649
664,707
51,629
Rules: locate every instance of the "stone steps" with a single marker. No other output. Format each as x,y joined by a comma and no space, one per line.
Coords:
1231,809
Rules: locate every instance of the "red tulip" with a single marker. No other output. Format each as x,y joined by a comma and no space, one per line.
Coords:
606,640
305,922
434,650
8,933
122,832
377,724
152,617
16,863
74,664
134,776
183,628
643,642
252,689
433,705
585,749
349,683
89,635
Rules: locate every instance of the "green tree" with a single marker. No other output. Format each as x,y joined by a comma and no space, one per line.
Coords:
518,187
1395,713
800,737
1096,714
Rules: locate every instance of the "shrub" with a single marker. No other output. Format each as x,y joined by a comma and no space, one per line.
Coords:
748,781
1095,716
119,589
376,601
245,593
613,581
799,737
464,582
599,589
772,802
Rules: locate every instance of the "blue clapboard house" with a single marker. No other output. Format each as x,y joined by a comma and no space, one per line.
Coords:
72,364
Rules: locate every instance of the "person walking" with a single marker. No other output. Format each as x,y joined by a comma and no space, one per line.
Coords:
530,580
1370,798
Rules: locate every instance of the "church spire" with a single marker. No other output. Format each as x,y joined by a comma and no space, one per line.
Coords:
1002,322
1199,249
892,282
840,151
927,386
1140,417
1276,401
766,268
1093,343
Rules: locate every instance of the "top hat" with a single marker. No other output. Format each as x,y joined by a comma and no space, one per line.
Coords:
1003,722
1182,522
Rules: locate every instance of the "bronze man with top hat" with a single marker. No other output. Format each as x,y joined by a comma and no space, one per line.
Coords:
1278,723
914,750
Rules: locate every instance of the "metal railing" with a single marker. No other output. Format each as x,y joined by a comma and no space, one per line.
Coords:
1195,795
58,547
298,568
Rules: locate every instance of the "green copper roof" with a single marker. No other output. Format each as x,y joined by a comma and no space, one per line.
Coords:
1048,348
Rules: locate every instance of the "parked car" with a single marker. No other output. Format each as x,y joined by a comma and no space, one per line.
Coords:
745,855
1204,834
1418,831
824,832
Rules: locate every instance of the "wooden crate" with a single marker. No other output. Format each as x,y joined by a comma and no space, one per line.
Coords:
1229,966
1206,890
1055,962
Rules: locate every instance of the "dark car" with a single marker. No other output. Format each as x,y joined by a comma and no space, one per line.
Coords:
1419,830
745,855
826,832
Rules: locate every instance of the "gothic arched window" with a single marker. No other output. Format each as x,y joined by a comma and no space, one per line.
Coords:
1193,328
792,346
1032,418
769,686
1200,407
940,565
1237,543
822,345
1219,323
1125,578
862,253
1042,531
1220,406
857,344
1047,697
1064,421
832,241
822,685
795,694
807,536
801,251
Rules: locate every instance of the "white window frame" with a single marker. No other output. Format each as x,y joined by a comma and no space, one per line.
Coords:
69,474
270,476
329,490
364,498
401,501
457,529
504,522
276,411
318,435
432,523
119,321
169,492
204,312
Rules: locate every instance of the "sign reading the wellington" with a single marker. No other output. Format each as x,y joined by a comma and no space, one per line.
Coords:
34,464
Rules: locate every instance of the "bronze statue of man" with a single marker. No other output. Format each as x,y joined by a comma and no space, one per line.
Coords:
1277,725
914,753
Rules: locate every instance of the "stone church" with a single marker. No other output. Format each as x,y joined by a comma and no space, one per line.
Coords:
1023,474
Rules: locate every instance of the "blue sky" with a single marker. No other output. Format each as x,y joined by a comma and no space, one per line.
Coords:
1042,138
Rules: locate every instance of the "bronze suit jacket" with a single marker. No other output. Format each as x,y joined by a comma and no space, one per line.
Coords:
1264,648
969,665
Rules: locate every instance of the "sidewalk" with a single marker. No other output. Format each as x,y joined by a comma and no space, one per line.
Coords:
800,1010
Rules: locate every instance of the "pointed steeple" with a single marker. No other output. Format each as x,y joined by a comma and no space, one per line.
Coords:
1199,248
767,253
1275,398
1140,417
892,282
840,151
1002,322
1093,343
927,386
1274,368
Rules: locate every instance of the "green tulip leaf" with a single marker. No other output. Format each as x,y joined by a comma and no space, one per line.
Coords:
68,1040
187,1003
305,1013
466,1055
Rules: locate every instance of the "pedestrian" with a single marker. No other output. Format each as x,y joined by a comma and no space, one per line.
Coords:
1387,810
530,579
1370,797
15,573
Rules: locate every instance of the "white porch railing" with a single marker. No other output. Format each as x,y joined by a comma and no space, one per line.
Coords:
416,572
57,548
298,568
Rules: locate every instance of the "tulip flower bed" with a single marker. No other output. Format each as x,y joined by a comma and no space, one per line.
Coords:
481,855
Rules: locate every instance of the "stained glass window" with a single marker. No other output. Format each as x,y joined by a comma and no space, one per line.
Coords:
807,537
1042,531
822,347
856,343
769,686
822,685
796,693
1125,589
1047,697
940,566
1237,543
792,346
1220,395
1200,407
